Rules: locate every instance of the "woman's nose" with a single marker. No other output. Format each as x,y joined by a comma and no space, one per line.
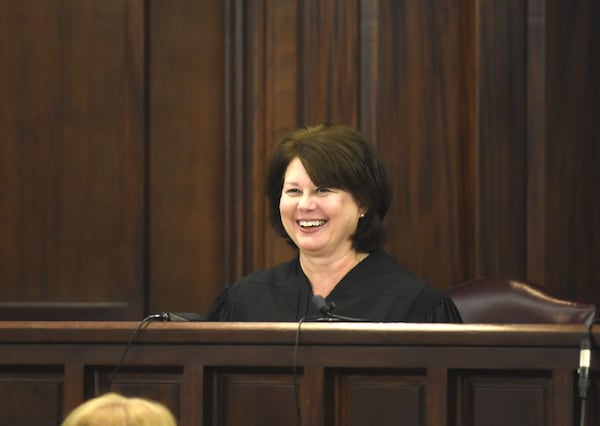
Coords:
306,202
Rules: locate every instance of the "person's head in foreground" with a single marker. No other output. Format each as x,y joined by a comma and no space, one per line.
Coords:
112,409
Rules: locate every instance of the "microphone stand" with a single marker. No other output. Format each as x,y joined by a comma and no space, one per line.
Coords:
584,369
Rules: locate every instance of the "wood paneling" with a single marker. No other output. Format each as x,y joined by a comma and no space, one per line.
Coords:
500,146
419,134
330,62
498,399
71,159
43,390
186,163
347,373
459,97
253,393
572,205
160,384
380,399
134,138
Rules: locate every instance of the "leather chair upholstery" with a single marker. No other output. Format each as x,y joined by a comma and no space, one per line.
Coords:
502,300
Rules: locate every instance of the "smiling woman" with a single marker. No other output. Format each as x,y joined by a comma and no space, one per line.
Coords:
320,221
328,195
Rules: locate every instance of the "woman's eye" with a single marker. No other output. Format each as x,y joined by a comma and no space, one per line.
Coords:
292,191
323,190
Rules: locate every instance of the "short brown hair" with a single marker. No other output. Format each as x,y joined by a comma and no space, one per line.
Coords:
340,157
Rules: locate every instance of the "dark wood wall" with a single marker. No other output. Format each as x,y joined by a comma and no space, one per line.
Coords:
134,136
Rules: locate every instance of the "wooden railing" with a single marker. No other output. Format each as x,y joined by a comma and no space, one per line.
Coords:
316,374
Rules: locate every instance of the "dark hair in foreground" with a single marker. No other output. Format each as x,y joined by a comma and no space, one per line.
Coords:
339,157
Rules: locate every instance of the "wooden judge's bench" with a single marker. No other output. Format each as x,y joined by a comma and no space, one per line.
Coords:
235,374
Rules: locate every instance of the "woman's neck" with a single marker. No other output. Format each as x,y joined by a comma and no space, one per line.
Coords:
324,273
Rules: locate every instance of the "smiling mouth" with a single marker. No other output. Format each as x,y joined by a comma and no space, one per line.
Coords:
311,223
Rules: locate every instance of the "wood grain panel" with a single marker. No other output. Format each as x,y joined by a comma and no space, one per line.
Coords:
593,403
536,141
40,390
420,133
260,399
572,204
501,138
330,64
489,400
71,158
158,384
369,29
186,155
380,399
562,410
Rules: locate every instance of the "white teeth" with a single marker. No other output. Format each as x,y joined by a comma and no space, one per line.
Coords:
310,223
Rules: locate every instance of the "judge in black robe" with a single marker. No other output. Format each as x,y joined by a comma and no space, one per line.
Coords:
328,193
377,289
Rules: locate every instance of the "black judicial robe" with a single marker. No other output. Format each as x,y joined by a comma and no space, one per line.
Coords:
377,289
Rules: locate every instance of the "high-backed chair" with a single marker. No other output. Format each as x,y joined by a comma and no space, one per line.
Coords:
504,300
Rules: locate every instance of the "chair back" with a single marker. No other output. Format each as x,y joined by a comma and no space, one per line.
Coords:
502,300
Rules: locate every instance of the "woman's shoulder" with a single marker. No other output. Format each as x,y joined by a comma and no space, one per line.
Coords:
426,302
240,300
390,275
278,275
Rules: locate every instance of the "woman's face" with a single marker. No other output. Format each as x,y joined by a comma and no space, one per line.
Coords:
320,221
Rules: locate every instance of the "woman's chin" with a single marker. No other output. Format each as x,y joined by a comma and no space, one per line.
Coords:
308,247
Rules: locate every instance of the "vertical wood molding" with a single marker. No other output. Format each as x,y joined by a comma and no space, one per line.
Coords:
562,396
262,107
536,141
312,396
280,98
236,210
437,397
468,218
192,391
74,383
369,69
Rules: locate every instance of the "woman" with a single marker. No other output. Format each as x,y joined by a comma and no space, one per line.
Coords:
328,194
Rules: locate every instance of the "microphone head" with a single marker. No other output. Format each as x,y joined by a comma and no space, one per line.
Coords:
321,305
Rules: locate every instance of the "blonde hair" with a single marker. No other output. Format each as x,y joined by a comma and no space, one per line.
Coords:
112,409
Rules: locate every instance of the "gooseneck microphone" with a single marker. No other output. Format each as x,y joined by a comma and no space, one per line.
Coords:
326,311
160,316
181,316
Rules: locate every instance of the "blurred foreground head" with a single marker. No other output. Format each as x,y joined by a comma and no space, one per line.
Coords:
112,409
